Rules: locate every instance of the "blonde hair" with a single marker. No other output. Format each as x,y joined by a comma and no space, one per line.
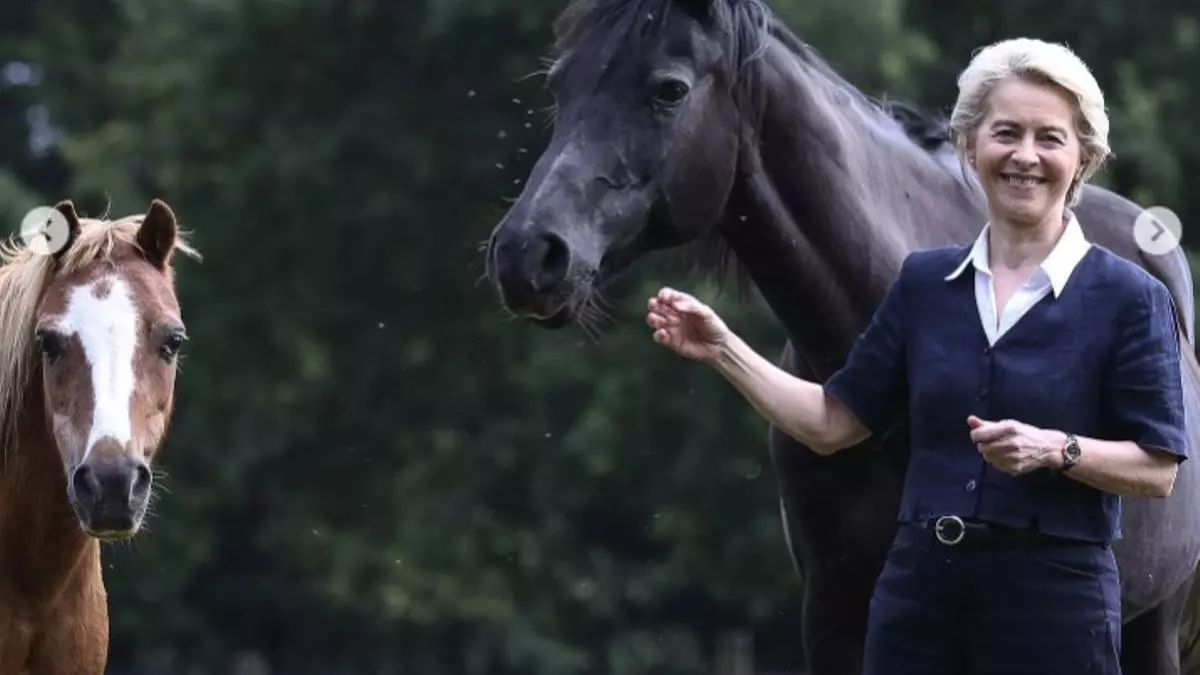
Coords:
1039,62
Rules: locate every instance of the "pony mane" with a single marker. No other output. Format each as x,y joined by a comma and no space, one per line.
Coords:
24,277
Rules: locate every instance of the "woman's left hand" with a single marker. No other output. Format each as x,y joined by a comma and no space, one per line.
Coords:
1015,447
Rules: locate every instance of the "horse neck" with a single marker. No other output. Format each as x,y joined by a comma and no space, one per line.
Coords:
42,548
828,203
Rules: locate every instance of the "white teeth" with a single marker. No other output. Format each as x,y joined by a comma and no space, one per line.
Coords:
1023,180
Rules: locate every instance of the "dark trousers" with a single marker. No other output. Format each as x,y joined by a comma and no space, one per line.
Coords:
994,609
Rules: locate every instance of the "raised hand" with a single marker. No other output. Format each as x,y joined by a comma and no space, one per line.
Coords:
686,325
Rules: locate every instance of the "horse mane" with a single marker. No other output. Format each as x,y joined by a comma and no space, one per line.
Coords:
605,28
24,278
930,132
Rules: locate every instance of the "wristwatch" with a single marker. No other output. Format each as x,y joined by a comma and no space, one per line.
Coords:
1070,453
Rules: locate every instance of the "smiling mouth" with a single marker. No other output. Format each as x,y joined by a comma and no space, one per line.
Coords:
1022,180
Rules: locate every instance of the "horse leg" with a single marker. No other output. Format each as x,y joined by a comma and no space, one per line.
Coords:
833,619
839,518
1189,634
1150,643
74,639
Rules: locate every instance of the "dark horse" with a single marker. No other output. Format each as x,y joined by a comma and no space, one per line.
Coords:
708,121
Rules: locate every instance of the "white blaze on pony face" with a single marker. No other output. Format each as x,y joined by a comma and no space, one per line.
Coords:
104,318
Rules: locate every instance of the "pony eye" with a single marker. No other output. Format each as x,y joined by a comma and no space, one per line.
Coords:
670,91
172,344
50,344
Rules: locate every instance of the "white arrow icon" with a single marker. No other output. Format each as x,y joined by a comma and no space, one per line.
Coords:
45,230
1157,230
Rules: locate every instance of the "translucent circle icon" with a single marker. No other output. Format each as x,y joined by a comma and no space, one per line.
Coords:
1157,230
45,230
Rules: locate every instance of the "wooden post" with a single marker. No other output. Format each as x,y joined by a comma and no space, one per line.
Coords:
735,652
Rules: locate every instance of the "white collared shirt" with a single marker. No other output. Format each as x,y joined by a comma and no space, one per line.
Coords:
1049,276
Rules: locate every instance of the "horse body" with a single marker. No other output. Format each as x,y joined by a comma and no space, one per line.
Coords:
708,121
53,608
88,348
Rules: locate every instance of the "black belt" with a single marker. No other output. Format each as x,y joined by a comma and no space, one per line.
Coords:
955,530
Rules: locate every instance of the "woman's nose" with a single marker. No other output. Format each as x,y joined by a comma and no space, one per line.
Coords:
1025,155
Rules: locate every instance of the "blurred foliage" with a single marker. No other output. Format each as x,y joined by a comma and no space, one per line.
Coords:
373,469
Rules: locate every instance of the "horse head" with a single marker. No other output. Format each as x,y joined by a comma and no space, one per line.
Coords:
109,331
643,155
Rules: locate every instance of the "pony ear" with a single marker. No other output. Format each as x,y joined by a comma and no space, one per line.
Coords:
67,208
156,235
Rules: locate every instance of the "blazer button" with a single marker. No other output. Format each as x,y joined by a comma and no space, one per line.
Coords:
971,485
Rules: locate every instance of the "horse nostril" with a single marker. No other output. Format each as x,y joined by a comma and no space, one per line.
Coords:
85,484
141,480
555,259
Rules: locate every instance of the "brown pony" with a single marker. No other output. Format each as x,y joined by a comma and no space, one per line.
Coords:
89,339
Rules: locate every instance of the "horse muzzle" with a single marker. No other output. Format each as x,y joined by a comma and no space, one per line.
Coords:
530,271
110,495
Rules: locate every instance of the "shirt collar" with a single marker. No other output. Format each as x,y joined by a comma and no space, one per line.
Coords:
1057,266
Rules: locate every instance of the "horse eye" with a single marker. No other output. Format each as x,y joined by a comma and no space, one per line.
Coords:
172,344
670,92
50,344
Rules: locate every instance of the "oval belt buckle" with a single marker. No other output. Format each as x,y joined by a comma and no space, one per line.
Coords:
957,528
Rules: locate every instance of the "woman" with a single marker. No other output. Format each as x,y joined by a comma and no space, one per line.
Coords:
1041,378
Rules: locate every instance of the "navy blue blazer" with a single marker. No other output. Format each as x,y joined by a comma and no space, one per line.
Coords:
1099,360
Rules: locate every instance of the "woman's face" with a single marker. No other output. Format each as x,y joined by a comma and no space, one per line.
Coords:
1027,151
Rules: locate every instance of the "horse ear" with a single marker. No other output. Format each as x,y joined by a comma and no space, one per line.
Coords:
67,208
702,6
156,236
701,9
